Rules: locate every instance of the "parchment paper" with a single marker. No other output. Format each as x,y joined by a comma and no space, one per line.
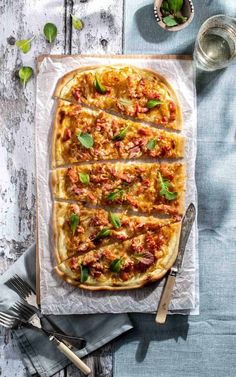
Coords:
58,297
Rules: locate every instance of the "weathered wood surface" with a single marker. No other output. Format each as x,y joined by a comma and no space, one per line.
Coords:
21,19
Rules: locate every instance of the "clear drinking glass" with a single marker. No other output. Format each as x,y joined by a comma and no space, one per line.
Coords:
215,45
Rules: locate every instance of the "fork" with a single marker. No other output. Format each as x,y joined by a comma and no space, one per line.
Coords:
26,292
22,312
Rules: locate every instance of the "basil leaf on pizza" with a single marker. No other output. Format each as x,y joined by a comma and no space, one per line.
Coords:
84,273
164,185
151,144
85,139
84,178
115,266
114,220
74,222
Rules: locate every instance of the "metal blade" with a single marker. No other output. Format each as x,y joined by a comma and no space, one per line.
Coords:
186,227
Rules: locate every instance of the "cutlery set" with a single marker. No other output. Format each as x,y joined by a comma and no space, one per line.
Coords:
27,313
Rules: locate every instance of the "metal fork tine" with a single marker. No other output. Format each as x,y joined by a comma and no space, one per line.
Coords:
24,283
23,310
13,284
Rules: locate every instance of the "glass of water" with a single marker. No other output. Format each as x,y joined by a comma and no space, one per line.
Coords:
215,45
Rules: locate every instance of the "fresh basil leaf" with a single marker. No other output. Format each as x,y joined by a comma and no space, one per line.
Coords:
165,6
164,191
169,21
153,103
116,194
84,178
77,23
74,222
102,234
115,266
24,45
146,258
151,144
85,139
25,74
50,32
181,19
84,273
114,220
175,5
121,135
98,86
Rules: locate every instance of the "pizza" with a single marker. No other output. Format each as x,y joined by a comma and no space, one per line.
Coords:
78,229
128,91
118,178
131,264
145,187
82,134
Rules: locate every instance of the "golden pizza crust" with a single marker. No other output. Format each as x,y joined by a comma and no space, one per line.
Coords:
68,77
166,264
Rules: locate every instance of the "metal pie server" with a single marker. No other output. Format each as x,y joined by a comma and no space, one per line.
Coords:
186,227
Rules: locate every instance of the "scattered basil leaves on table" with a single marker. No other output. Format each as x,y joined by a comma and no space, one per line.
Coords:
85,139
98,86
77,23
24,44
74,222
172,12
84,273
50,32
164,185
115,266
153,103
25,74
114,220
151,144
84,178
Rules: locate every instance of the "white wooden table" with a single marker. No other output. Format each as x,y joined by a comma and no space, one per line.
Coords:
20,19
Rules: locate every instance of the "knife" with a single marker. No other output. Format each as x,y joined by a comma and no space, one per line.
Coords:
186,227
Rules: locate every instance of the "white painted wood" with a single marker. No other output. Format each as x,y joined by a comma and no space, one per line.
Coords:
21,19
102,32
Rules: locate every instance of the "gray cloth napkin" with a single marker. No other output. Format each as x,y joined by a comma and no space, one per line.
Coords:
39,355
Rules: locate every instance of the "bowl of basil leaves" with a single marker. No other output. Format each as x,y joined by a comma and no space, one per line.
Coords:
173,15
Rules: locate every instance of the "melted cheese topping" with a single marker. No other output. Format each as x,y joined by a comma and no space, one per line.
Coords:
105,129
127,91
134,186
90,223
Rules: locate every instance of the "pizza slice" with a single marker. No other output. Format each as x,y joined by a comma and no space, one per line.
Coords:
129,91
81,134
145,187
78,229
131,264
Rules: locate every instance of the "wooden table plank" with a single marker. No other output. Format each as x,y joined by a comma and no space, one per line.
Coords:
103,23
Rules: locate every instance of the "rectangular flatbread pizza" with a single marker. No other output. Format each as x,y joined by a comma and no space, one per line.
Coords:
78,229
145,187
130,264
81,134
128,91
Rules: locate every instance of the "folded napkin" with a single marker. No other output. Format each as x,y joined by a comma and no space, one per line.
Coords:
39,355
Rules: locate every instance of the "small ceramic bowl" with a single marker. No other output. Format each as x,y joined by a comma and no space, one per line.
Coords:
188,11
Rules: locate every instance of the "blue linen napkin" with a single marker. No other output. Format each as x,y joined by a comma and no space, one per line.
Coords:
39,355
203,345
